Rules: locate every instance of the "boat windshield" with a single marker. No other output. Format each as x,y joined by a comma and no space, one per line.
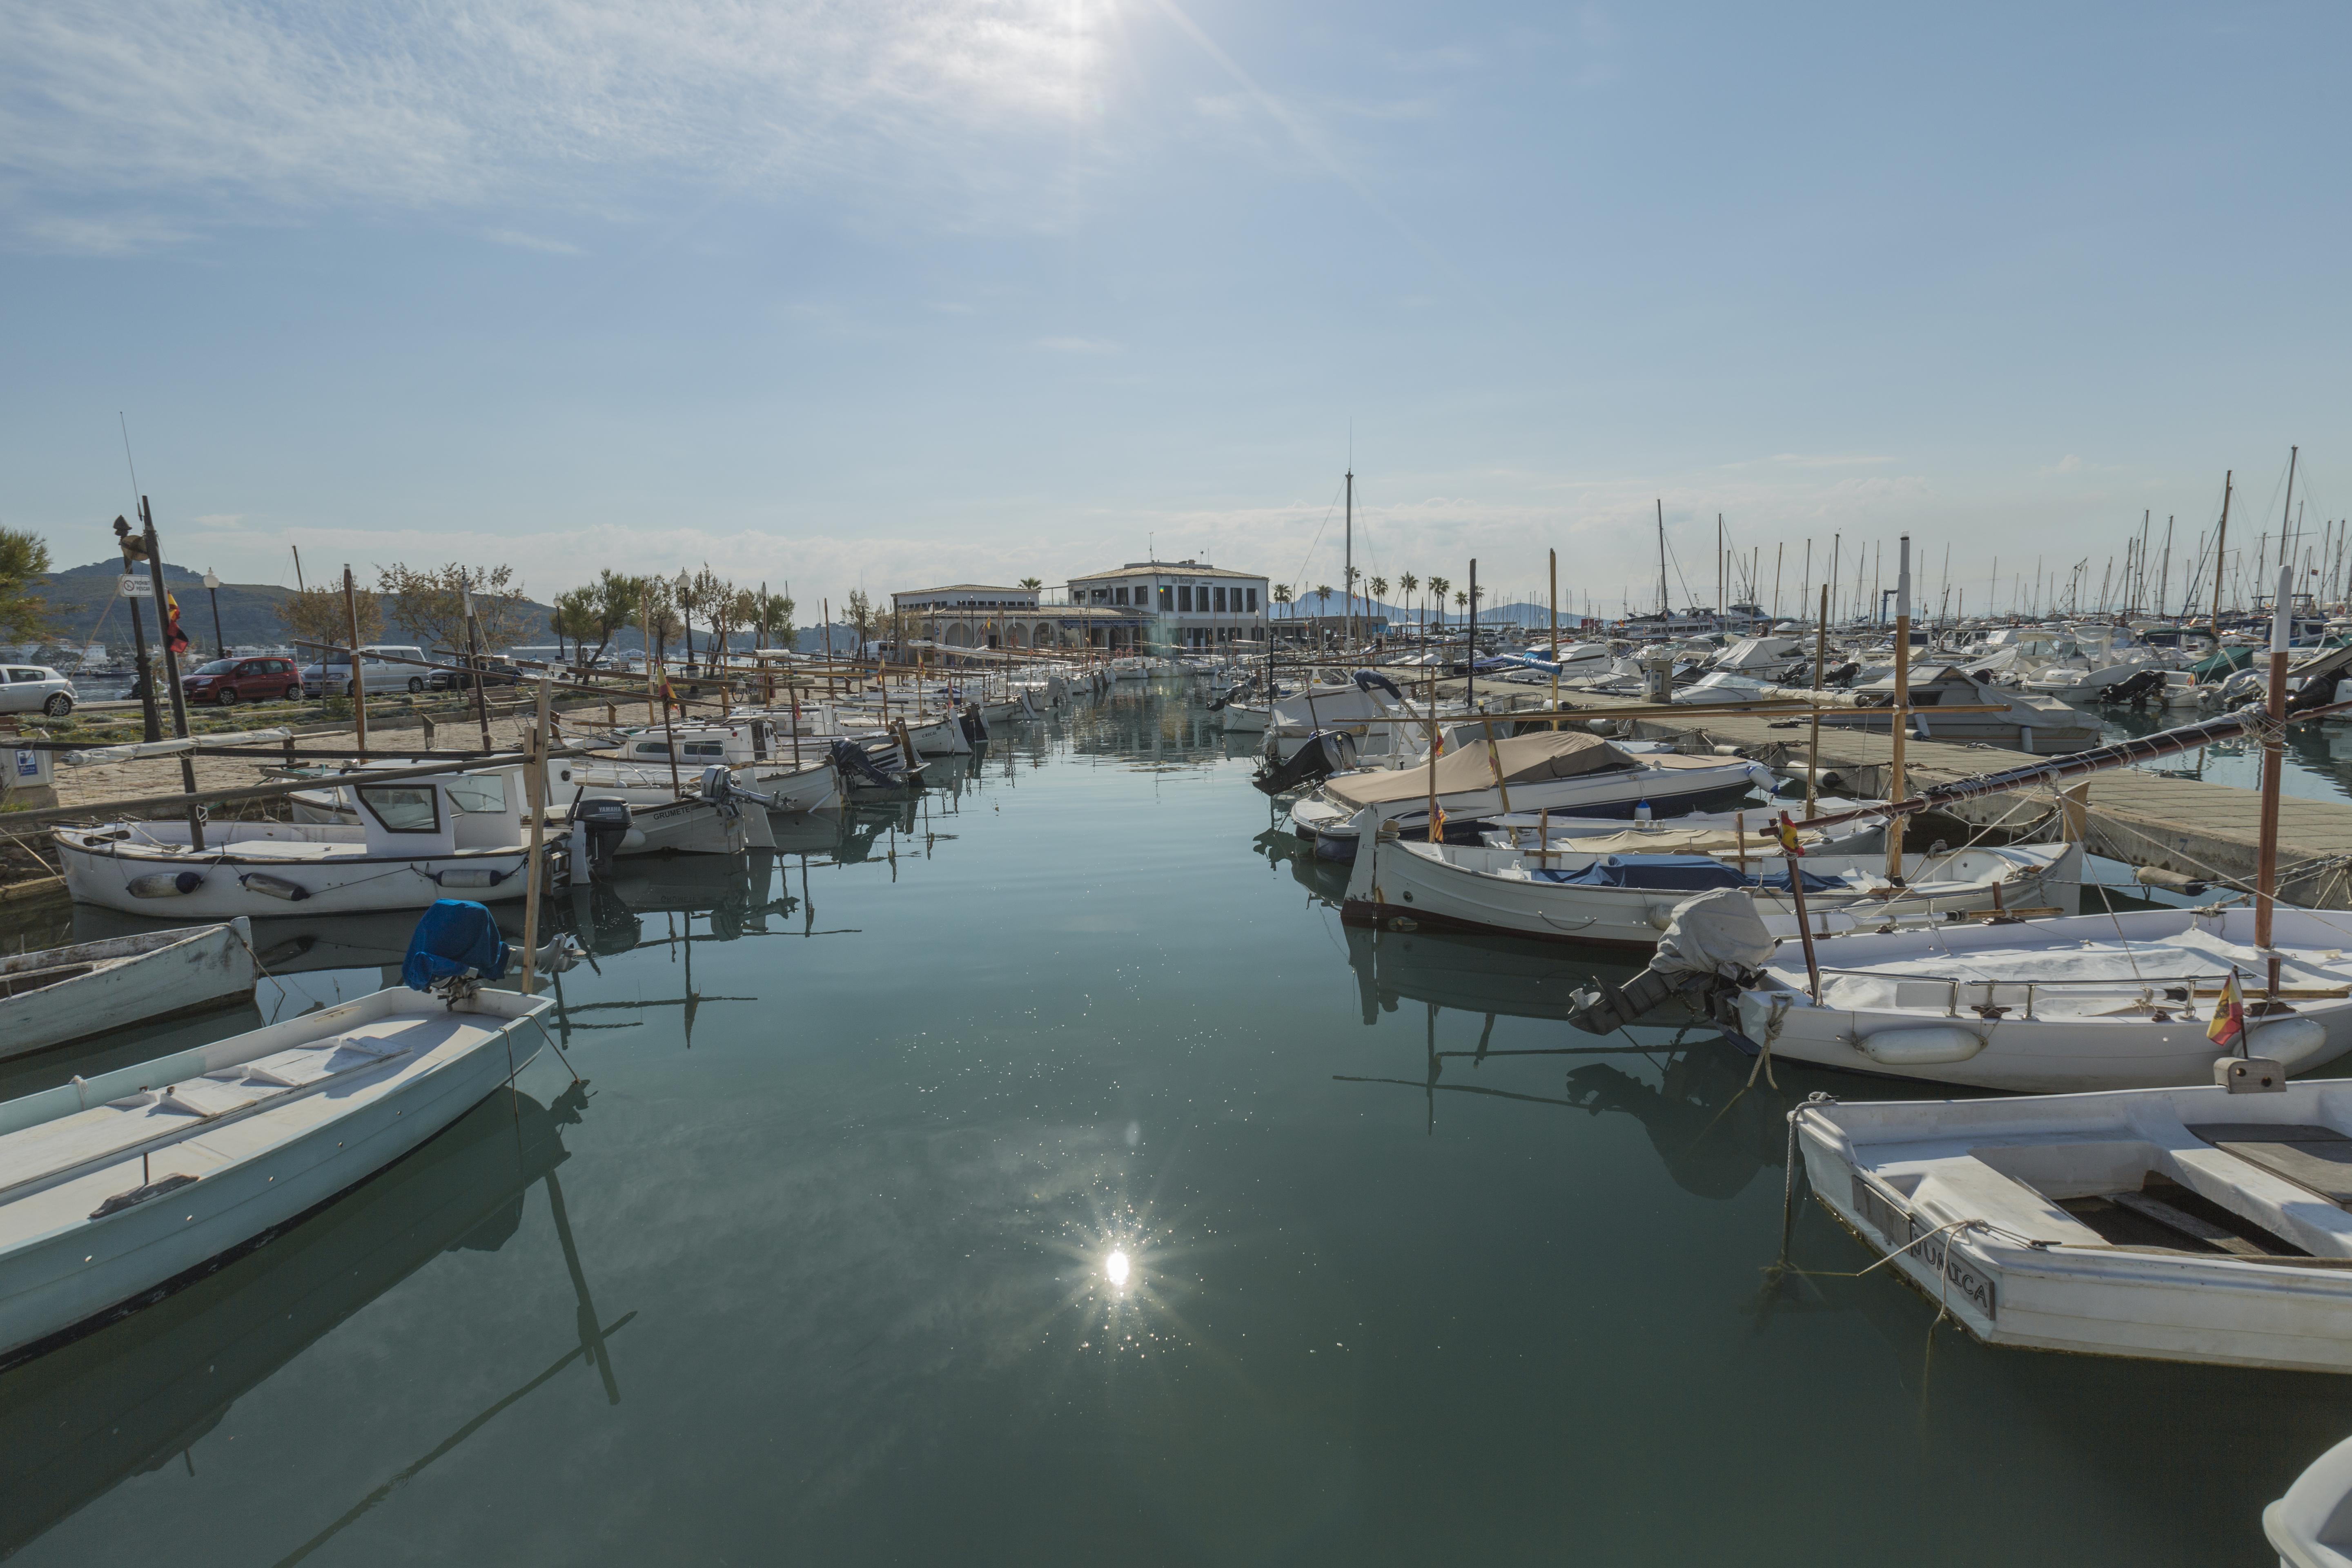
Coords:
405,808
484,792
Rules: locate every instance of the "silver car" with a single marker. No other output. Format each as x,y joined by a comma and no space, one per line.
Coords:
35,689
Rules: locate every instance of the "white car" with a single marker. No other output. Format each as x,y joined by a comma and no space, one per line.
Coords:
384,666
35,689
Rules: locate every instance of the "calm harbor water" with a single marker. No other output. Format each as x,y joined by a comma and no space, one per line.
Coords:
1040,1173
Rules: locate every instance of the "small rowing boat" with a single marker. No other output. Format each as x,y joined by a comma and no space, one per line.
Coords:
60,995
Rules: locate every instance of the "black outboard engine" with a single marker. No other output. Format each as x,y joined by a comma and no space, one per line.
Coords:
2134,690
1239,691
1716,942
605,822
856,768
1326,752
1841,675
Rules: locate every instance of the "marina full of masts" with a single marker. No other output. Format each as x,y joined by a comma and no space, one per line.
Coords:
2072,1126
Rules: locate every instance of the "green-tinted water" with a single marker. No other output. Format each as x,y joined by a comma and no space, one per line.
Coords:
836,1216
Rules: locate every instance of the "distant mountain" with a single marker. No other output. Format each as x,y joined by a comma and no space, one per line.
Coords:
84,606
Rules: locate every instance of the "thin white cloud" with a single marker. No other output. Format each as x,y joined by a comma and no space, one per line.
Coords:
522,241
233,107
126,234
1080,345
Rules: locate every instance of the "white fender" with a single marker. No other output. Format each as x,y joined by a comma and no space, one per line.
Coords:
2286,1040
1928,1046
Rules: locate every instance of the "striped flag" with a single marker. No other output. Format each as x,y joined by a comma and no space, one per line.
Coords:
2228,1029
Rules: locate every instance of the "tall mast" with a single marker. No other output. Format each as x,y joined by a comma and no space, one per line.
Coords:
2266,872
1661,557
2220,554
2164,576
1349,562
2286,509
1722,601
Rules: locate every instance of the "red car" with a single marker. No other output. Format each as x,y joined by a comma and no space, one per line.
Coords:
232,680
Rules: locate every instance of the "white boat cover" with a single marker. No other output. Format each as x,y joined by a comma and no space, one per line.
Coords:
1524,759
1717,932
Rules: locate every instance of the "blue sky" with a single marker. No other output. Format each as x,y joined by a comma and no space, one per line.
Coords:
900,293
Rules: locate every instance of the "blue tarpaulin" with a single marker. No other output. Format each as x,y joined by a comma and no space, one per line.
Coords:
1678,874
455,935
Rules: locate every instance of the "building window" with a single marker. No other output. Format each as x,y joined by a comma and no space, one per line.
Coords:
1253,601
1184,600
1167,598
1221,598
1118,595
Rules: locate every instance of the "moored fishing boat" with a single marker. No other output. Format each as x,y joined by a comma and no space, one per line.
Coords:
113,1187
60,995
1628,899
2192,1224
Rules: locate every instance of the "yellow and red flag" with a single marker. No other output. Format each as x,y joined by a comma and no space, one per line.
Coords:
173,635
2228,1029
1788,835
1437,825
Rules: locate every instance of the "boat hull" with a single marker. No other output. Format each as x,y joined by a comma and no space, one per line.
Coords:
345,885
53,1282
134,979
2099,1300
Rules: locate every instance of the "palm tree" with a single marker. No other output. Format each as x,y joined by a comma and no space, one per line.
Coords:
1033,583
1437,588
1280,593
1323,592
1406,584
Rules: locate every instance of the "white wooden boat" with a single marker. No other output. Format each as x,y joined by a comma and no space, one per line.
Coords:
2088,1002
1562,771
1629,899
416,840
113,1187
60,995
2193,1224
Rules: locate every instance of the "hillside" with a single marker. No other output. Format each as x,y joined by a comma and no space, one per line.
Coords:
83,606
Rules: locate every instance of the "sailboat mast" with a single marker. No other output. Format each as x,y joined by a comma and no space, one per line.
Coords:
2220,554
1662,559
2286,509
1348,563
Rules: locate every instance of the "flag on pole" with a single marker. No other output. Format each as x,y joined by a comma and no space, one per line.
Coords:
1788,835
2228,1029
1437,825
176,639
668,696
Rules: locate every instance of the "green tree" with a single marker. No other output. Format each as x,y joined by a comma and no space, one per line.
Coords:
317,619
1280,593
575,618
1033,583
1323,593
860,615
1437,588
24,560
429,604
773,615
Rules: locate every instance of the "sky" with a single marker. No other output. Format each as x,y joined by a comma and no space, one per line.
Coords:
894,293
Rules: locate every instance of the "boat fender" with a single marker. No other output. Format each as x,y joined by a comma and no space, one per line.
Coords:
165,884
276,886
1925,1047
2287,1039
471,877
1662,915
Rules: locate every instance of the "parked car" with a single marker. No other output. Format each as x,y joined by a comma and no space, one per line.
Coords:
384,666
228,681
37,689
496,671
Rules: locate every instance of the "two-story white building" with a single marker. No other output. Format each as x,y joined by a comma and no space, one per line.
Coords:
1190,604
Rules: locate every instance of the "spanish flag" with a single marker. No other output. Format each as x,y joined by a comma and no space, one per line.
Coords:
2228,1029
1788,835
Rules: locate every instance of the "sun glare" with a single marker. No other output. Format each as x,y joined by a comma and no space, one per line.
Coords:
1115,1269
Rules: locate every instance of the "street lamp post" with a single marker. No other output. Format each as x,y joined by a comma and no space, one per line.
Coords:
211,586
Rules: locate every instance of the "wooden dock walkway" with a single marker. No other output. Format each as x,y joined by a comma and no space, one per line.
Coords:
2208,831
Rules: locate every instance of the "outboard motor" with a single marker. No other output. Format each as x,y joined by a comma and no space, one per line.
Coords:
2136,690
856,768
1716,939
1373,680
455,946
719,786
602,823
1326,752
1841,675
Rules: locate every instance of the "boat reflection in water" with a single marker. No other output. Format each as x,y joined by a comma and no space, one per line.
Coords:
136,1394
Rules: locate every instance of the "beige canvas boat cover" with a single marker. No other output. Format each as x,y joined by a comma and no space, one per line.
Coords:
1526,759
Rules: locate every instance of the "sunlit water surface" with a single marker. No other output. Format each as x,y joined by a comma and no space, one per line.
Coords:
1041,1173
